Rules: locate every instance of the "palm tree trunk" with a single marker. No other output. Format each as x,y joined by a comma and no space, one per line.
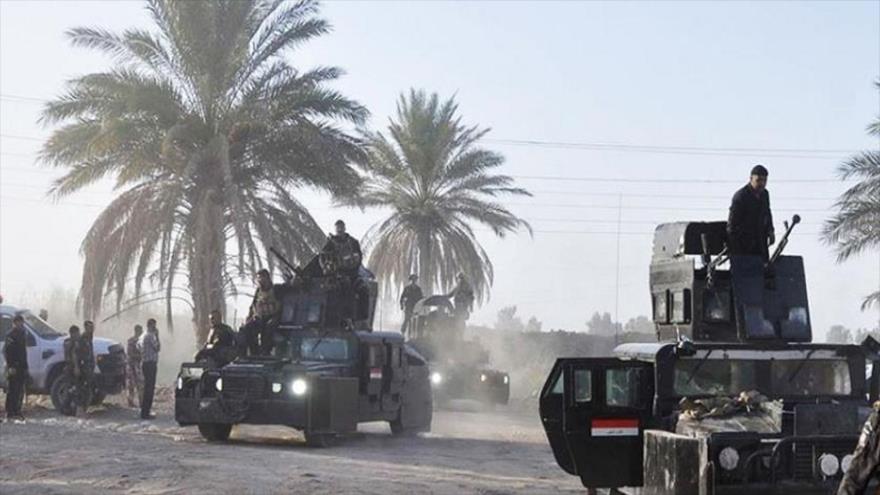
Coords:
206,264
426,278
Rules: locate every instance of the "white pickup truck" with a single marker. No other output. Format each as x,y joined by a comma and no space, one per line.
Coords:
45,350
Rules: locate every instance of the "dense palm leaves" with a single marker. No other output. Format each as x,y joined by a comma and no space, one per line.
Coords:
437,183
206,131
855,228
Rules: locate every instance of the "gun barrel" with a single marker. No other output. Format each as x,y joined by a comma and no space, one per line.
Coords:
796,219
282,258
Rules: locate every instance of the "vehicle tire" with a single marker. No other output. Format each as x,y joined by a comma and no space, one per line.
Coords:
398,430
320,440
98,398
62,396
215,432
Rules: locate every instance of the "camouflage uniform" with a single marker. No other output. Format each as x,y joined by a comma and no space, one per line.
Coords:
84,354
261,321
866,458
134,374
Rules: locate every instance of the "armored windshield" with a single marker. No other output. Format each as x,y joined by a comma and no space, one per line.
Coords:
311,347
775,374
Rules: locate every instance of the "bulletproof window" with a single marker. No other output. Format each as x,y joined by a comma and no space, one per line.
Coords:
716,305
5,326
583,385
622,387
661,308
558,383
681,306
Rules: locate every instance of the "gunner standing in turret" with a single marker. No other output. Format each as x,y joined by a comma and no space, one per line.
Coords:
750,223
346,248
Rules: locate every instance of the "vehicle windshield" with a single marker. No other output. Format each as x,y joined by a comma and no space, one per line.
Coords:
314,347
39,326
783,374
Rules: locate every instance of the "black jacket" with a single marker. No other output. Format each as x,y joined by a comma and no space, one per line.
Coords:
15,349
412,293
750,222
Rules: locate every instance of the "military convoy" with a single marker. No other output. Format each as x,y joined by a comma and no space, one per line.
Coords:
329,369
459,367
732,398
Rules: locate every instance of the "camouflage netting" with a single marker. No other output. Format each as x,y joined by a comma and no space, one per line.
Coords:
749,411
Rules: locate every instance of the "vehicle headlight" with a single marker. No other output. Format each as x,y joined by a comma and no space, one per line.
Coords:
219,384
276,388
829,464
845,462
179,383
299,387
483,377
436,378
506,379
728,458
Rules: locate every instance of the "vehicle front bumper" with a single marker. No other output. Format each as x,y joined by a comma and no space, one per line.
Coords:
288,412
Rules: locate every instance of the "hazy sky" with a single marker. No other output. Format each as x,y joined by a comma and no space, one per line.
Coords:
715,76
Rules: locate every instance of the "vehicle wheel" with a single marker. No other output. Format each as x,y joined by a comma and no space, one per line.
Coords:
98,398
320,440
215,432
62,394
398,430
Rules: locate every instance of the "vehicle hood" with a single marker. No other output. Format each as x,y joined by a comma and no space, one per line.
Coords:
261,365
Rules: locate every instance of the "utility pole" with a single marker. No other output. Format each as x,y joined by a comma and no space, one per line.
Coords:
617,282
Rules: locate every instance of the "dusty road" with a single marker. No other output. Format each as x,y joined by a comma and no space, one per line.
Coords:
112,452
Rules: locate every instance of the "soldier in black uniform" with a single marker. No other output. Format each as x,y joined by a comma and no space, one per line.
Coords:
462,296
750,222
866,458
412,294
219,350
15,352
342,256
262,318
84,352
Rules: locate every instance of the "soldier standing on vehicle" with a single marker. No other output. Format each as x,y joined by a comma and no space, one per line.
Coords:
135,379
15,352
149,346
347,250
866,458
219,350
462,296
262,316
750,222
412,294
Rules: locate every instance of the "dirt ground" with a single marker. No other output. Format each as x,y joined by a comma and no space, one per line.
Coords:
111,451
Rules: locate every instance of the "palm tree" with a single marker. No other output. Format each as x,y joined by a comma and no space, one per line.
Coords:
206,130
437,183
855,228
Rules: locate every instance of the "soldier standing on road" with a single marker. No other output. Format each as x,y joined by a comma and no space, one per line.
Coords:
71,365
412,294
750,222
135,374
219,350
85,356
262,316
462,296
866,458
149,346
15,352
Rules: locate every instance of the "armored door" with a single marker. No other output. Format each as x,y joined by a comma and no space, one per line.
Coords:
594,412
393,376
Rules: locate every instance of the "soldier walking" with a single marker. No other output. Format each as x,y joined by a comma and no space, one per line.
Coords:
15,352
411,294
750,222
149,346
134,371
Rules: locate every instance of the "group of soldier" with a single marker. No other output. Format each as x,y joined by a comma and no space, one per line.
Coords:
462,297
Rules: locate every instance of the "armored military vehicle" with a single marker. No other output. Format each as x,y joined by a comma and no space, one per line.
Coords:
329,369
459,367
732,398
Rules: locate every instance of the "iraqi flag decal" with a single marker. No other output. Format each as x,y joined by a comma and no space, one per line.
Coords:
611,427
375,373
